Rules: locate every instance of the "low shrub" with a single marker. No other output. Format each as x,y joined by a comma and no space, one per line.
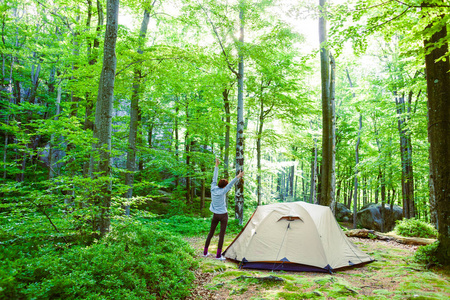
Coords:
134,261
415,228
427,254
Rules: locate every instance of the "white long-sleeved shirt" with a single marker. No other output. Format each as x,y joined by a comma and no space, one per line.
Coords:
218,195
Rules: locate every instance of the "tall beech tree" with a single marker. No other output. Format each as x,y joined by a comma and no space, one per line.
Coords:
103,116
134,109
355,193
239,73
239,186
438,90
327,184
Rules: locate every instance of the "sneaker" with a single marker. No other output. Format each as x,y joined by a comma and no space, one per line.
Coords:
206,255
222,258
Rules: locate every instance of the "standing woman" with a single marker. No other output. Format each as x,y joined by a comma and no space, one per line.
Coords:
219,208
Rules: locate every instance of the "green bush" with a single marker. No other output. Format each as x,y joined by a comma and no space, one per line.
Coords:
427,254
415,228
135,261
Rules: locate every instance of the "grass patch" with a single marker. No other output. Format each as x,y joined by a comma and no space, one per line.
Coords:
212,266
299,296
233,273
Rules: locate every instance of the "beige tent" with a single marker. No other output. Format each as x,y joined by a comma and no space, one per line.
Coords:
294,236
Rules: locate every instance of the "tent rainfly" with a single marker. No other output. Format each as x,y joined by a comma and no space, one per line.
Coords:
294,236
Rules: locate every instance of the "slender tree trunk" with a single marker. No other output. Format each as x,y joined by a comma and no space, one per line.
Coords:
203,190
239,190
326,167
52,165
188,156
406,157
355,194
226,158
134,115
177,151
332,189
3,88
287,182
304,185
258,150
93,56
350,195
103,113
438,89
312,193
291,180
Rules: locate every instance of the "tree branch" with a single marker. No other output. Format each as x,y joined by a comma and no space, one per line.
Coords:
50,220
220,42
390,20
64,19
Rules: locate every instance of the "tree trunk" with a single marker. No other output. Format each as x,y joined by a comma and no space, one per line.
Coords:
239,189
312,193
226,158
350,195
203,191
188,156
103,113
355,194
291,180
406,157
258,150
52,165
134,115
438,89
92,52
304,185
326,111
332,189
177,142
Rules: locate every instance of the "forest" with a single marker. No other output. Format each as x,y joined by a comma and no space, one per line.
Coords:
113,113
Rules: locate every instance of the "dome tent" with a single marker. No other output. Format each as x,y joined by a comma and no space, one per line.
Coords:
294,236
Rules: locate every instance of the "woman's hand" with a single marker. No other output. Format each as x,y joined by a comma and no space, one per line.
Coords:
240,175
217,162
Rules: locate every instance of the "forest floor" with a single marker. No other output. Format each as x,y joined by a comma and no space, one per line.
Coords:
394,275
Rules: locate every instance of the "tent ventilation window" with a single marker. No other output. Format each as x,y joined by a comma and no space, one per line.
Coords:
290,218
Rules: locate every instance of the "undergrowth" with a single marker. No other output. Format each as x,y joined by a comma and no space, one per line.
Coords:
135,261
415,228
427,254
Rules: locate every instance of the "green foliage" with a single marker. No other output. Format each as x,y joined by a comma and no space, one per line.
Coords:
134,261
415,228
372,236
427,254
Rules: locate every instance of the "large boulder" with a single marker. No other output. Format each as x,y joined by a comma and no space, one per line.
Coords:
342,213
370,216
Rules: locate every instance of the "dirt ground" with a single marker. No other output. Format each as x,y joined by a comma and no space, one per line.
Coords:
394,275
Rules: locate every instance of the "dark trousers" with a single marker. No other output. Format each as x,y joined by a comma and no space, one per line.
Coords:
223,219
